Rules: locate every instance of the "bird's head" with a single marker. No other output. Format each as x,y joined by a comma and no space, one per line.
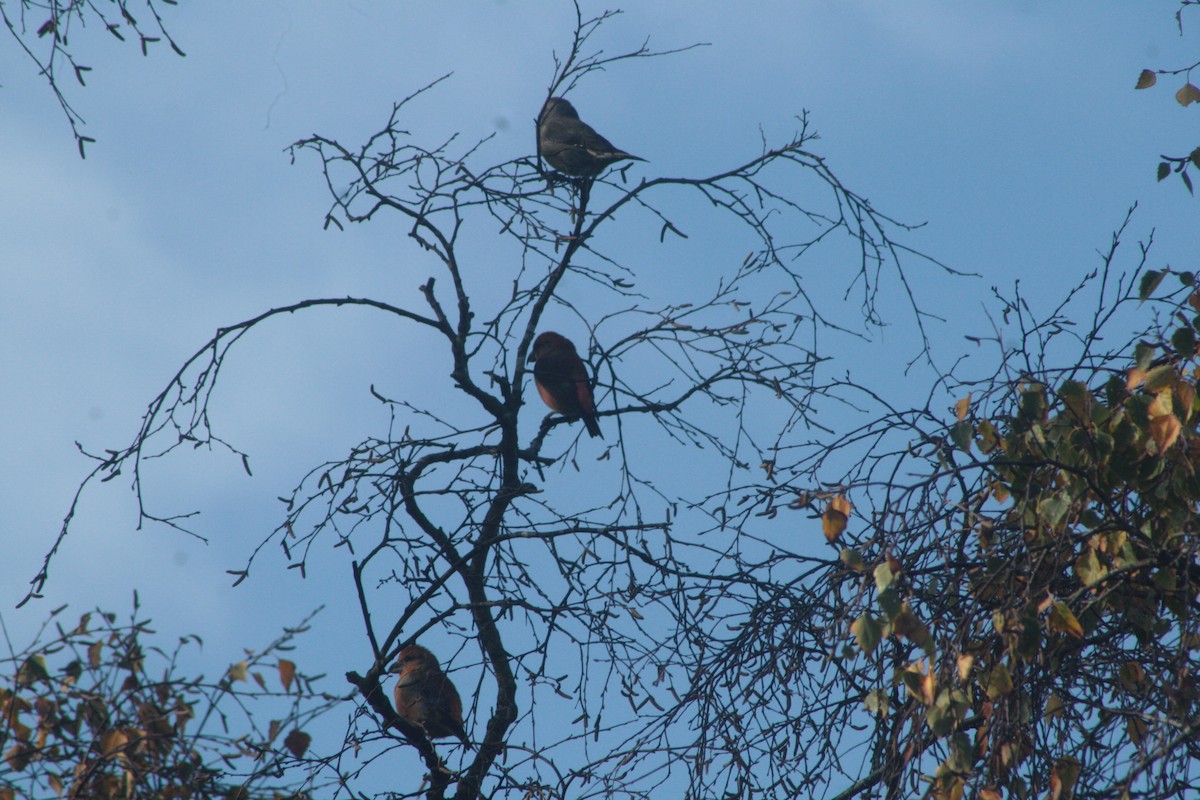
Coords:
559,106
414,657
549,342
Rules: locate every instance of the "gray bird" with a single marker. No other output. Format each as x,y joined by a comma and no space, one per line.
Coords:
570,145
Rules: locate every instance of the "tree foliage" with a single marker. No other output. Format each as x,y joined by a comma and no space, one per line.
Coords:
1024,600
100,709
1186,94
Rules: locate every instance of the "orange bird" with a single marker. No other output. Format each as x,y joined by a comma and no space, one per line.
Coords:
425,696
562,380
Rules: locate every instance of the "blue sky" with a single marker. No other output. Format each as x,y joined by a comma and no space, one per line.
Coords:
1011,129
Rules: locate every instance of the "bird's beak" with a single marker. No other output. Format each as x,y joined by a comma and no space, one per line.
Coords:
532,358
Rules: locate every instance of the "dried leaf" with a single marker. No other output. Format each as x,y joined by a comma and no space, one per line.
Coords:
835,518
112,742
920,683
1131,676
962,407
1187,95
1063,620
1165,431
287,672
1146,79
297,743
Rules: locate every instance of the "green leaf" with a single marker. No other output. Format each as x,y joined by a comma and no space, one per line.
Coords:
32,671
999,682
940,721
961,435
1077,398
1161,377
868,632
1184,341
876,701
1150,280
1143,353
1052,508
889,603
883,576
1089,567
852,559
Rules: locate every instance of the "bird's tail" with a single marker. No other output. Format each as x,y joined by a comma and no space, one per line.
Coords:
593,427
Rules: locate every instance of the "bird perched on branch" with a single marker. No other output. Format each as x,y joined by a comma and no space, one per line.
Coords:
570,145
562,380
425,696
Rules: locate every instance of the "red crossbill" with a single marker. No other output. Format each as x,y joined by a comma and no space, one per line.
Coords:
425,696
570,145
562,380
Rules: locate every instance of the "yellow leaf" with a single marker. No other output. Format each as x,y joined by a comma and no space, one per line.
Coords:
962,407
1187,95
1165,430
1164,376
1161,405
111,742
1134,378
837,514
1063,620
1054,707
920,684
988,793
287,671
964,667
239,671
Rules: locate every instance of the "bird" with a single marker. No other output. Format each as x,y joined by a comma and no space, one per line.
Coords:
425,696
562,380
570,145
